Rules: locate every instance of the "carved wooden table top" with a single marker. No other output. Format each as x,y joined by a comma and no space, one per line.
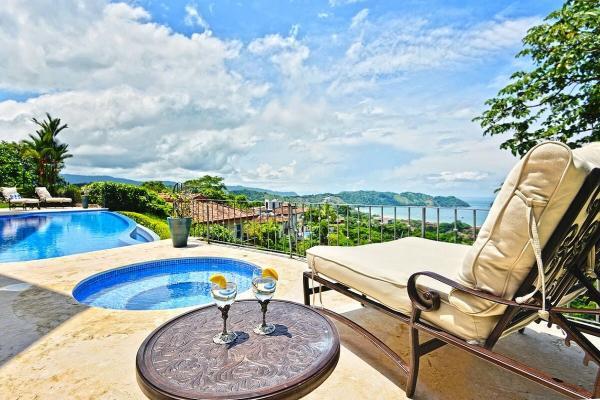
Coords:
180,361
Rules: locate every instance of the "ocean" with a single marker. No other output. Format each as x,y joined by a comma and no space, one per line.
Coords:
480,204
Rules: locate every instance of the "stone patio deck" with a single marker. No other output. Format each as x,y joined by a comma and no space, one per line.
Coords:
51,347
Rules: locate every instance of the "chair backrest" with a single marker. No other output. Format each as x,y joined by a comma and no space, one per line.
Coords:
8,191
43,193
536,194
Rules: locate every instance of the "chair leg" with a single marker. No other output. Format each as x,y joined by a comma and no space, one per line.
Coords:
597,385
305,290
415,355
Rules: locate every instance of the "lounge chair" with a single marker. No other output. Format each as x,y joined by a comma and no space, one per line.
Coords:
538,249
14,199
47,200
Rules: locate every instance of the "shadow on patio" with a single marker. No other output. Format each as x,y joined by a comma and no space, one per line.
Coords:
28,313
449,373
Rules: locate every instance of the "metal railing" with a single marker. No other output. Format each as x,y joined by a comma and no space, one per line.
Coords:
293,227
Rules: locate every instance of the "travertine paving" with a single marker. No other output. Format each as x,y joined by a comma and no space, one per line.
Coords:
51,347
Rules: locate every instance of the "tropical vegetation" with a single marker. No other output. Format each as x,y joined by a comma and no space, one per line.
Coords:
46,151
156,224
16,169
124,197
559,97
156,186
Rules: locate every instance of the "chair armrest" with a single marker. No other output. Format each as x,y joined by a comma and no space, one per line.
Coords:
430,300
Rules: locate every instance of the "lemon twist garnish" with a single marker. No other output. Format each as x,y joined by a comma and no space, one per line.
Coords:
219,279
270,273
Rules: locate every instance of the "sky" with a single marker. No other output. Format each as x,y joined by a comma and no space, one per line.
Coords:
302,95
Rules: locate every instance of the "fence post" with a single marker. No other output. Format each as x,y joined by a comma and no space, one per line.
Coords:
455,225
290,230
207,223
423,216
474,224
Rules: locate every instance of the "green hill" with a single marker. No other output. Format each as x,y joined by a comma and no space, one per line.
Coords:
371,197
366,197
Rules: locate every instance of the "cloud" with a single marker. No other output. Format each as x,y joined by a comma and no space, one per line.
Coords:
400,45
359,18
137,96
302,111
323,15
461,176
266,173
288,53
193,18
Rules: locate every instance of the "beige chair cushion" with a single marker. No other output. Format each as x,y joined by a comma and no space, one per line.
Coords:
24,201
502,256
7,191
57,200
43,193
381,271
45,196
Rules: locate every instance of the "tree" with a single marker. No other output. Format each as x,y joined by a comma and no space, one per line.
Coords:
211,187
559,98
155,186
44,147
15,168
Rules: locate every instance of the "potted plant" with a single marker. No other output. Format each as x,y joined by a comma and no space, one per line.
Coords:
180,222
85,198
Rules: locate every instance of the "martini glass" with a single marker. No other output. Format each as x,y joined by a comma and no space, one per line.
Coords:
224,298
264,289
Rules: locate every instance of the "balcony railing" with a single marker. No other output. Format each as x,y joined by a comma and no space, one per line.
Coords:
293,227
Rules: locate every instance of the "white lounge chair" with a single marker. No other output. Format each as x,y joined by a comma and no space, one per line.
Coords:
14,199
537,250
47,200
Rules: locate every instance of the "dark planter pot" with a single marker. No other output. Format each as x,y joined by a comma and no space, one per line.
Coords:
85,201
180,230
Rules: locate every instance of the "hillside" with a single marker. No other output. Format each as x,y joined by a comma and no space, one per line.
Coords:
81,179
255,194
367,197
370,197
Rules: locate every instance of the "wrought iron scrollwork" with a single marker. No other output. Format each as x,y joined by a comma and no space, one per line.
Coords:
427,300
570,253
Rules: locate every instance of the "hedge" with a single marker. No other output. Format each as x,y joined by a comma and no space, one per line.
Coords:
71,191
121,196
156,224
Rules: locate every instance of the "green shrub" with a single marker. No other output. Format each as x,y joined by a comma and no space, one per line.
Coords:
217,232
584,302
156,224
120,196
71,191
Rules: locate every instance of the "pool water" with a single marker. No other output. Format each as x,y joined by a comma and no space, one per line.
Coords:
162,284
43,235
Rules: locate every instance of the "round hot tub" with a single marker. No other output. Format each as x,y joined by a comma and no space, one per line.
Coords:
162,284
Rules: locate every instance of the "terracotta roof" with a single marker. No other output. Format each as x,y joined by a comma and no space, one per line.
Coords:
217,212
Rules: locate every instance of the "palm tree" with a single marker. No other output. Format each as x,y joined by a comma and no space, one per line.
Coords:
49,154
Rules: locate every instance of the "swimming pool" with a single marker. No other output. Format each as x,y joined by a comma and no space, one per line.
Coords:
34,236
162,284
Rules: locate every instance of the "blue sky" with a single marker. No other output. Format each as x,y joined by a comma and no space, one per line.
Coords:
291,95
